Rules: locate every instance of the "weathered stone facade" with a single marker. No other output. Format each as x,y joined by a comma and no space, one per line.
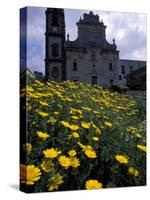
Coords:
90,58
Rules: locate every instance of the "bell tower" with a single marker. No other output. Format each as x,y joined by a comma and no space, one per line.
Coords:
55,57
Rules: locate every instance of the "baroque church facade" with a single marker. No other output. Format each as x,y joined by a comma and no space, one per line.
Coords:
90,58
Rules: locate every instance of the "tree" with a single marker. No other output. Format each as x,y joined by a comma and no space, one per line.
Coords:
39,76
137,79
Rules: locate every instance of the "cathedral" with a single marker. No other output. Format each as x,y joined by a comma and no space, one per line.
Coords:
90,58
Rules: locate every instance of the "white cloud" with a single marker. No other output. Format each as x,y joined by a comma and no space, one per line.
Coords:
120,35
129,30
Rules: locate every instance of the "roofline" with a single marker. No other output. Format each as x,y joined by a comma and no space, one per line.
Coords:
27,68
133,60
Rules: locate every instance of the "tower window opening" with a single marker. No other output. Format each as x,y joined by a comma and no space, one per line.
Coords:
54,20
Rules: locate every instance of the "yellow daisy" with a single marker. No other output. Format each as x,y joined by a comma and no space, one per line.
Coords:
51,153
42,135
64,161
133,171
121,159
72,153
141,147
29,174
93,185
90,153
85,125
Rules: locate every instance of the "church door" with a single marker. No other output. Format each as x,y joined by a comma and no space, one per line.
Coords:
94,80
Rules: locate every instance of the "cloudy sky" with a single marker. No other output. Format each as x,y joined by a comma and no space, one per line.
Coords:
128,29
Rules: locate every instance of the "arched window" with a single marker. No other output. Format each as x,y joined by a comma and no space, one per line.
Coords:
75,66
55,49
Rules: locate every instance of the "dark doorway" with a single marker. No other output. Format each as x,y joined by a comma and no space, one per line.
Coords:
111,82
94,80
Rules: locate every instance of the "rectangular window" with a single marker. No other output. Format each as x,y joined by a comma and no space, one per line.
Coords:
120,77
123,69
110,66
131,69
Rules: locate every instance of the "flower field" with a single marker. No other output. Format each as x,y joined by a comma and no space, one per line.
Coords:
81,137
